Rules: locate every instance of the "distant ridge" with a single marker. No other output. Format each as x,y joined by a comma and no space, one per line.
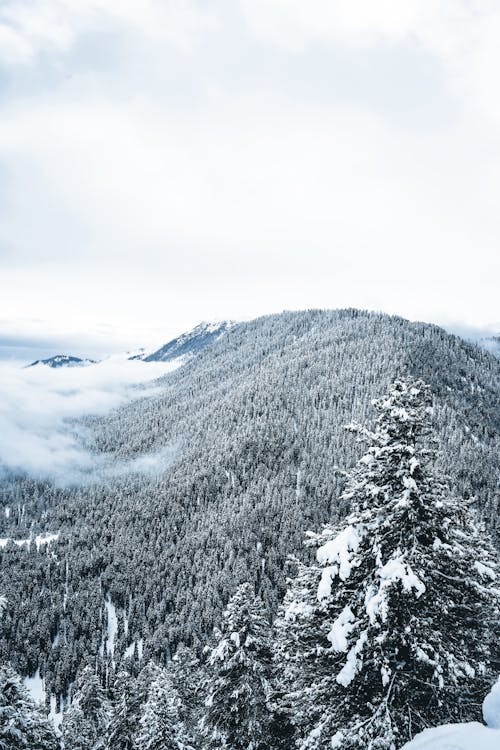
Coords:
63,360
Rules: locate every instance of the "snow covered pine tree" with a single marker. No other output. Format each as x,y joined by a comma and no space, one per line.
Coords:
394,629
125,713
237,716
86,720
161,725
23,724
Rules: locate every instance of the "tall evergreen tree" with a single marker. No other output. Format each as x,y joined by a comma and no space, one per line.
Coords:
393,629
125,713
188,675
161,725
237,716
85,722
23,725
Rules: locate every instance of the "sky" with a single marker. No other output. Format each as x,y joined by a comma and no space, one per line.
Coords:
165,162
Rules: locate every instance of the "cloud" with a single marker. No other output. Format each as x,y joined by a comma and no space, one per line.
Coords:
461,34
40,408
28,30
169,161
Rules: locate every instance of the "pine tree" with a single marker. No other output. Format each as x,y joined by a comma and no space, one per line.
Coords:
23,724
125,713
237,716
161,726
394,629
85,722
188,674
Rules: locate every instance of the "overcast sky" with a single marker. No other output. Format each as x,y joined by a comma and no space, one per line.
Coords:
167,162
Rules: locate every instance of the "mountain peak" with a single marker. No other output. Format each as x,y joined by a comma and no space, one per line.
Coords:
62,360
192,342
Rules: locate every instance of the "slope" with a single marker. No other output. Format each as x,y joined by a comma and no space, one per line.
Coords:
257,422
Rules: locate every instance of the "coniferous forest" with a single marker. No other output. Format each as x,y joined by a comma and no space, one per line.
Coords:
314,566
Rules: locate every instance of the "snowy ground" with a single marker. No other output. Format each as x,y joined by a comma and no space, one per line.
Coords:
456,737
473,736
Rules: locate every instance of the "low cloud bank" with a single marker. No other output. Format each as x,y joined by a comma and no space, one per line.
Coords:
39,406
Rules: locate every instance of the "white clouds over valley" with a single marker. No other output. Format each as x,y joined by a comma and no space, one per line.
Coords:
40,406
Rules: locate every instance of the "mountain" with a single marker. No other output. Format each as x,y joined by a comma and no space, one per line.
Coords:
189,344
254,430
63,360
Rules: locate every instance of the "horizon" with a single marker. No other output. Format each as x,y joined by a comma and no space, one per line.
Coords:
27,349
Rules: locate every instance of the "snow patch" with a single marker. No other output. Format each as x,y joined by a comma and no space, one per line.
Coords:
491,707
353,664
40,541
36,687
129,651
298,609
56,712
112,626
339,553
397,570
340,630
484,571
473,736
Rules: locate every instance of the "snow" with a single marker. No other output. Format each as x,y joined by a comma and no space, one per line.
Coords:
473,736
43,539
36,687
385,674
129,651
397,570
484,570
336,741
7,511
351,667
338,553
297,484
393,570
298,609
40,541
341,628
56,712
325,584
491,708
112,626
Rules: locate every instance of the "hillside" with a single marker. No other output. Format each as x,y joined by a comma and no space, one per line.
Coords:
256,421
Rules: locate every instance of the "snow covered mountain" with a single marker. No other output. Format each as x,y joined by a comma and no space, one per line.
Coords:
255,427
63,360
189,344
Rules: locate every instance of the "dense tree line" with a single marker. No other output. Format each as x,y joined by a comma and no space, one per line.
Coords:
256,425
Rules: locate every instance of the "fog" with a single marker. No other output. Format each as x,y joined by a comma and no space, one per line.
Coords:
40,408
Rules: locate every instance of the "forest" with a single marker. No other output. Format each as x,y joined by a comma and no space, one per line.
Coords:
185,610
